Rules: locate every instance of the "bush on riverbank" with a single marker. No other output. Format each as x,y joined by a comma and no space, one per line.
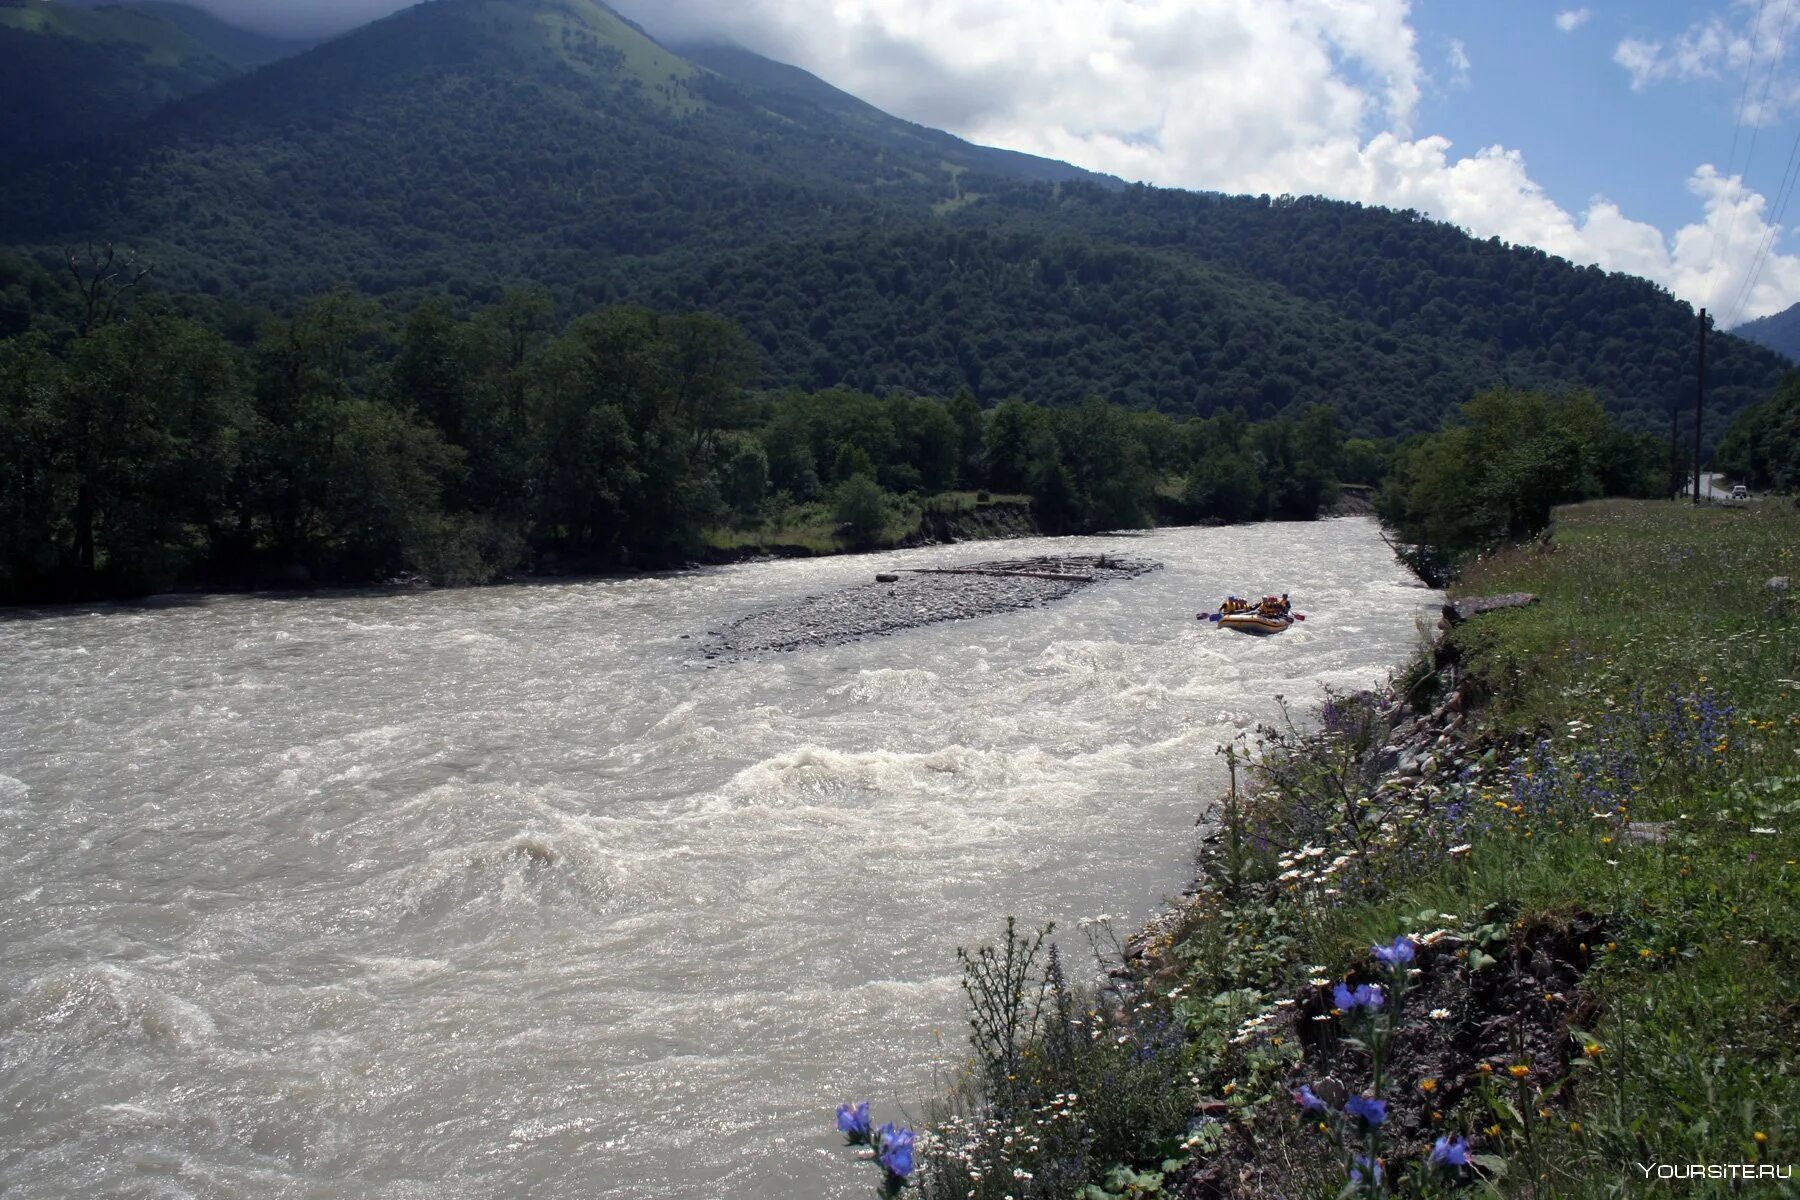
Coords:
1501,463
1577,836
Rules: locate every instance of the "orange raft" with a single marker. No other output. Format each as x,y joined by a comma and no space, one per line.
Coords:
1272,615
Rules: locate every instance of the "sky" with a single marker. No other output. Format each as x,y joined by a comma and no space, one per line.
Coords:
1656,137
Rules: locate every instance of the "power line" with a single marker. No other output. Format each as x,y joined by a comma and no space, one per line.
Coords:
1778,213
1724,248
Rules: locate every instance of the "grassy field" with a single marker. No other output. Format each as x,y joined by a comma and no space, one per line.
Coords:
1660,666
1589,889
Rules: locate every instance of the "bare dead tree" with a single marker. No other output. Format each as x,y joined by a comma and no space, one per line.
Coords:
102,278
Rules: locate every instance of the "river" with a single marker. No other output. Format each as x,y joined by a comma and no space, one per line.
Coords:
512,892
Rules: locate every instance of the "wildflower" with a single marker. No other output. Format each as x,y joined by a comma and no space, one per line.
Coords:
853,1122
1439,1014
1366,1166
1365,995
1493,1130
1370,1111
895,1149
1307,1101
1486,1068
1451,1151
1593,1049
1519,1070
1396,954
1574,1126
1762,1139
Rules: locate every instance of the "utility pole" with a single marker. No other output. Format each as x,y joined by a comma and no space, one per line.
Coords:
1699,400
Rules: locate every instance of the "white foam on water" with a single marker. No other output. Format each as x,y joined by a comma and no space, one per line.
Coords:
510,891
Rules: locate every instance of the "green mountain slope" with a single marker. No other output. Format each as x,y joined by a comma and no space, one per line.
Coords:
74,74
804,98
466,144
1780,332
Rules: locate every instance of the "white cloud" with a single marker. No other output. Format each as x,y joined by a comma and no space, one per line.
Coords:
1280,96
1572,19
1748,42
1458,56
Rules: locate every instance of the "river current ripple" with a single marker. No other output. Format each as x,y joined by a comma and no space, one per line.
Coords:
511,892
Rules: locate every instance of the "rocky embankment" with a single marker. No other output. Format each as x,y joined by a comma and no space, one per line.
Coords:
921,596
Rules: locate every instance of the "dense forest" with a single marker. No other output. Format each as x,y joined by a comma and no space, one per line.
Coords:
1762,447
77,74
469,146
148,442
502,285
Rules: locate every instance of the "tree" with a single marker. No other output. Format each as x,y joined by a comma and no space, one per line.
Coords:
861,509
971,450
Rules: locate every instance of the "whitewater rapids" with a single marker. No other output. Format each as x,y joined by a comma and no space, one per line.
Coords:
512,892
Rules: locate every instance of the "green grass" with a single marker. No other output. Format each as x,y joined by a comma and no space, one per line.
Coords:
815,526
966,502
1695,985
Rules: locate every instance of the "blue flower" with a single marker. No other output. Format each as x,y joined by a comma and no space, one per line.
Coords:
1365,995
1452,1151
1366,1170
1308,1102
853,1121
895,1149
1372,1112
1398,954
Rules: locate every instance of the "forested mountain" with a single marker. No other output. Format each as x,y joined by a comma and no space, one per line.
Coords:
76,73
465,145
1780,332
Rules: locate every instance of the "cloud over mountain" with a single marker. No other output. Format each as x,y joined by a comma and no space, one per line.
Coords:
1279,96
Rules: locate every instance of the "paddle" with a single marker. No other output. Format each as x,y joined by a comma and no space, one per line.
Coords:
1216,616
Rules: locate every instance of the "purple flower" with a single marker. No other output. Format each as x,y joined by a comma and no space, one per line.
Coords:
853,1121
1452,1151
1370,1111
894,1145
1365,1170
1398,954
1365,995
1309,1102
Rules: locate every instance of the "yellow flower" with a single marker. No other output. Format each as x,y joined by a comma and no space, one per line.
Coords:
1593,1049
1428,1085
1519,1070
1486,1068
1230,1088
1493,1131
1762,1139
1574,1126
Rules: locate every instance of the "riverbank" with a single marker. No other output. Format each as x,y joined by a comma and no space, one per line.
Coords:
1571,831
813,530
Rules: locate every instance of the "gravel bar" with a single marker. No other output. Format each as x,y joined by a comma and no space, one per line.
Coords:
921,596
